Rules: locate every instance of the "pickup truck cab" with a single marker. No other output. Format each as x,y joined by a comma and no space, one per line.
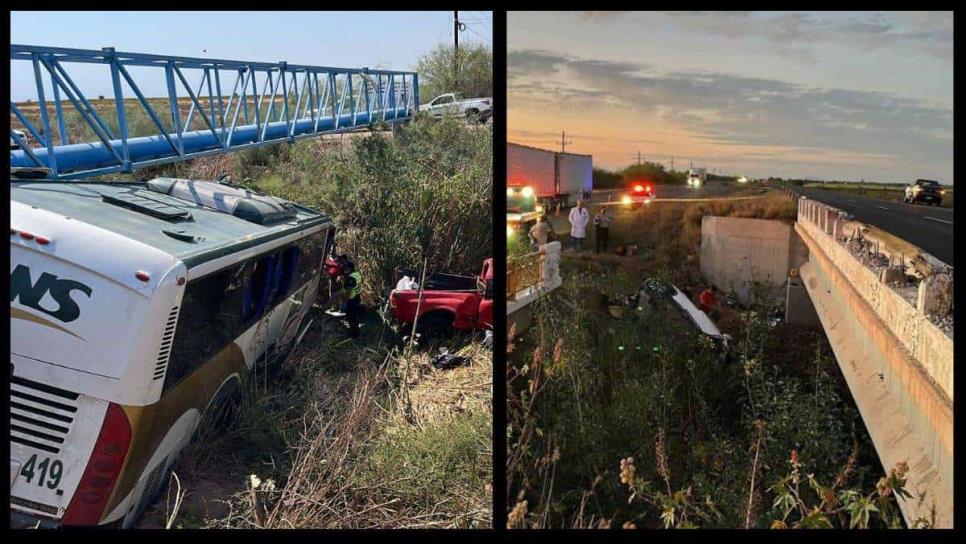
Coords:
20,134
924,190
448,301
454,105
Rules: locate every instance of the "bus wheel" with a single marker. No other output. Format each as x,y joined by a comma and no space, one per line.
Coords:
223,408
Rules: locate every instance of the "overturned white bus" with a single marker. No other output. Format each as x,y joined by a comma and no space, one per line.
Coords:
138,310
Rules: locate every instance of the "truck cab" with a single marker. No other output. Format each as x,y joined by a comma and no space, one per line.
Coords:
697,177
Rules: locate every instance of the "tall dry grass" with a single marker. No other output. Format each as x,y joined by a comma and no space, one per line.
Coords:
363,458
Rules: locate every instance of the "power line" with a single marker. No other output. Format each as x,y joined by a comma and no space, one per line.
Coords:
482,37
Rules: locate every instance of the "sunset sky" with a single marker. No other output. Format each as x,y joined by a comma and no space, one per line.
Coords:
815,95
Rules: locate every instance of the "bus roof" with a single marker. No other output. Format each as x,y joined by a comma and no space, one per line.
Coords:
186,230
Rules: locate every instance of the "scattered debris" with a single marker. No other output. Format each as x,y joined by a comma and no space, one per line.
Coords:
446,360
945,323
626,251
937,302
893,276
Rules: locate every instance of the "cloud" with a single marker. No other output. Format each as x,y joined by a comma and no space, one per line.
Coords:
793,34
726,108
548,136
602,16
532,62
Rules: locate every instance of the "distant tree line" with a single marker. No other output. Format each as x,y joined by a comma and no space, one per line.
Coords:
646,171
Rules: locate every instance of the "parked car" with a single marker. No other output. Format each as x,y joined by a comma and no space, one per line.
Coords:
476,110
20,134
449,301
924,190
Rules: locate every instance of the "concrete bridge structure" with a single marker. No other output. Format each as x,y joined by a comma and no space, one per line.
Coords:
893,343
886,308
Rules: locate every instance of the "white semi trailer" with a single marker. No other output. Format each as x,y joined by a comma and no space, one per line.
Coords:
575,177
552,177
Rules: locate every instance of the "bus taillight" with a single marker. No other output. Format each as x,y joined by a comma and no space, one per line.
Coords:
103,468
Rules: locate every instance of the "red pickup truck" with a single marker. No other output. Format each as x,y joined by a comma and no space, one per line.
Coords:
448,302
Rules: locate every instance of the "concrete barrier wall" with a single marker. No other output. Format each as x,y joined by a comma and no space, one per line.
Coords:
930,346
737,251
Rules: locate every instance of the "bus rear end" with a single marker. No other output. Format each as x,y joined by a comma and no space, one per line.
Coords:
66,453
73,379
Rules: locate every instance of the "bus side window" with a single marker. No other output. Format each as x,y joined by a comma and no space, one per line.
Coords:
286,272
211,310
311,257
256,293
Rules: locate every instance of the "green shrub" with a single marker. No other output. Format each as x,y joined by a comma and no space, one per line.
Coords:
425,194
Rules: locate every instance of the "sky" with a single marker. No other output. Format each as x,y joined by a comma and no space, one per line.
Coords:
390,40
833,95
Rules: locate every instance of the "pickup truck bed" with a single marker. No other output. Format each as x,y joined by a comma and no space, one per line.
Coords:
439,281
448,301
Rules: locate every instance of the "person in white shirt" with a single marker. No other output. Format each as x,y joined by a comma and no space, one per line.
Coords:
579,217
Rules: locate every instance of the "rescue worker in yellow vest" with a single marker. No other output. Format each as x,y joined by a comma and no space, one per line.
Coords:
352,283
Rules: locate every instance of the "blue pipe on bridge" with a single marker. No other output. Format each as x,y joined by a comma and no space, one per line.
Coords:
88,156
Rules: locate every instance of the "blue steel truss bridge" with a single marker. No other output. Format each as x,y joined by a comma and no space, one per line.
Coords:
207,106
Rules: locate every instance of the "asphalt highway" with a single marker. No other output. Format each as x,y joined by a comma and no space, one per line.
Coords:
929,227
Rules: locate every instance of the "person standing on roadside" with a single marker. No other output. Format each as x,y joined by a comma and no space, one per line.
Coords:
352,283
579,217
540,232
708,302
602,229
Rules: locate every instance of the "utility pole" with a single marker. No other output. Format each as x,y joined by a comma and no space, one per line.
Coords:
672,163
456,47
638,157
564,141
